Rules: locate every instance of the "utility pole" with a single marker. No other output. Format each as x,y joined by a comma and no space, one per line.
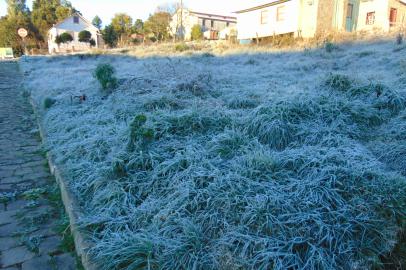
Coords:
181,20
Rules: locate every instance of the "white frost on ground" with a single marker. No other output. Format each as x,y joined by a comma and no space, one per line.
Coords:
258,161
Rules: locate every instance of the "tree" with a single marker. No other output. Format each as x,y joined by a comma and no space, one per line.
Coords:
197,33
110,36
158,25
16,6
139,26
97,22
85,36
122,24
171,7
62,13
18,17
46,13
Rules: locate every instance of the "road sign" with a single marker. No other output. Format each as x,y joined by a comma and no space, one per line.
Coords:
22,32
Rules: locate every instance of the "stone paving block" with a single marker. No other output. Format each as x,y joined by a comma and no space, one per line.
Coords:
10,229
8,243
7,217
16,205
50,244
39,263
15,256
23,167
12,180
65,262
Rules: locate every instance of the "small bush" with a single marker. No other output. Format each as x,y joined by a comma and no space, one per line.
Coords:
105,74
181,47
330,46
339,82
399,39
49,102
197,33
92,42
208,55
63,38
85,36
138,133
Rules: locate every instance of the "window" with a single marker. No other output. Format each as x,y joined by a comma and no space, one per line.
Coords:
204,23
370,18
392,16
264,17
280,14
350,8
76,19
212,23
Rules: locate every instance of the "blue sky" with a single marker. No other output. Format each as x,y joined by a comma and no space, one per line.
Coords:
141,8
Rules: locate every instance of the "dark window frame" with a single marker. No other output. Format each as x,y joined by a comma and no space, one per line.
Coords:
370,20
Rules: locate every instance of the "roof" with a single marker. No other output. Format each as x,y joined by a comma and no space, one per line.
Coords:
214,16
71,16
269,4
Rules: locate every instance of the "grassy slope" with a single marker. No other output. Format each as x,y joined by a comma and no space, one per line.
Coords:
258,160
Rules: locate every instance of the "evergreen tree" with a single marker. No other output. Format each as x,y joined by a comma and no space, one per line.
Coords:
139,26
110,36
97,22
46,13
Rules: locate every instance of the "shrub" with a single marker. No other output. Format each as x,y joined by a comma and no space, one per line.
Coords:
330,46
138,133
49,102
339,82
197,33
63,38
92,42
399,39
181,47
105,74
85,36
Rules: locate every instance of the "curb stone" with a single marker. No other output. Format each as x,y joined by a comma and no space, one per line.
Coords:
69,200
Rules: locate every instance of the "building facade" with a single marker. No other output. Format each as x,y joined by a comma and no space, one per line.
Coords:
73,25
308,18
211,24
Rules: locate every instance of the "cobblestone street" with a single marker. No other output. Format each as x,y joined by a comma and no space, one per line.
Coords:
34,232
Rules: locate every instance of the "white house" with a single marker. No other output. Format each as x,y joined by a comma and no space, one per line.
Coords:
184,19
308,18
383,15
73,25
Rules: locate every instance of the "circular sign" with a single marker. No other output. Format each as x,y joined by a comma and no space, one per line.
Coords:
22,32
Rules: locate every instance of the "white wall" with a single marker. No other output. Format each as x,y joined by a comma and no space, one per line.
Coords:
249,24
381,15
308,12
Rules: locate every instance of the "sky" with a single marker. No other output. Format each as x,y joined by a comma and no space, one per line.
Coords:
141,8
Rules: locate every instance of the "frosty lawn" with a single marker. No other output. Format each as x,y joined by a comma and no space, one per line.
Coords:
264,160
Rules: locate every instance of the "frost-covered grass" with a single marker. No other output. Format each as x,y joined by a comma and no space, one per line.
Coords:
282,160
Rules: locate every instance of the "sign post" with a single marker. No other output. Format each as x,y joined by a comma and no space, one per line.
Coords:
23,33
